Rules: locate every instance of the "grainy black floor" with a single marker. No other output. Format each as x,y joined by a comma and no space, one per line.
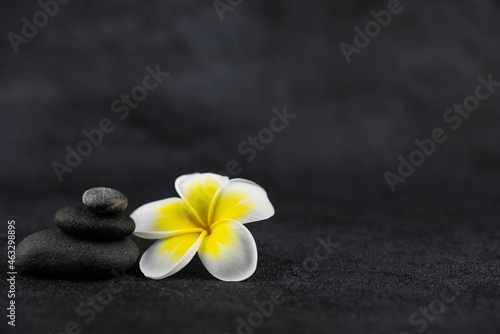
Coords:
426,260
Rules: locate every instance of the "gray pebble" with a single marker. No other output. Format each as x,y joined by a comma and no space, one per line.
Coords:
104,200
81,222
54,253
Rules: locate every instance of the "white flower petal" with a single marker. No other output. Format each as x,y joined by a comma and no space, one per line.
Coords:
167,256
241,200
164,218
229,252
198,190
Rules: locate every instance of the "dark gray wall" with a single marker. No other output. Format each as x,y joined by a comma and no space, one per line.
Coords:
353,122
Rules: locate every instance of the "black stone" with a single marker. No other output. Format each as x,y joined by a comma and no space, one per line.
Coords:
53,253
104,200
84,223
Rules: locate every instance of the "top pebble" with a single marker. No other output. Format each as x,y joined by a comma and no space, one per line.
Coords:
104,200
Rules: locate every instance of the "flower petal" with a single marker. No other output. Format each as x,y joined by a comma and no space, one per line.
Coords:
164,218
229,252
198,190
241,200
167,256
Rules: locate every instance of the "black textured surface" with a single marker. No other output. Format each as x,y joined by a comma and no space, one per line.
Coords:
53,253
394,257
82,222
397,252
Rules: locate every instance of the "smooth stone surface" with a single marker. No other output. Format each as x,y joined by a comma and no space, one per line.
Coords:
54,253
104,200
84,223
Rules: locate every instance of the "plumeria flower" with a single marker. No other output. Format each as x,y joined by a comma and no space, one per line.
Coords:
208,218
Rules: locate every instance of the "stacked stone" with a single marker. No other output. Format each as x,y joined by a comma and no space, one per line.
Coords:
91,242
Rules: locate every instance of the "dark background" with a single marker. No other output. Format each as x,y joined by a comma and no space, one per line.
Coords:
324,173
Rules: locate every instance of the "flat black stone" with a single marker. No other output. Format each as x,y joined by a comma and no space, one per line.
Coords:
53,253
84,223
104,200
